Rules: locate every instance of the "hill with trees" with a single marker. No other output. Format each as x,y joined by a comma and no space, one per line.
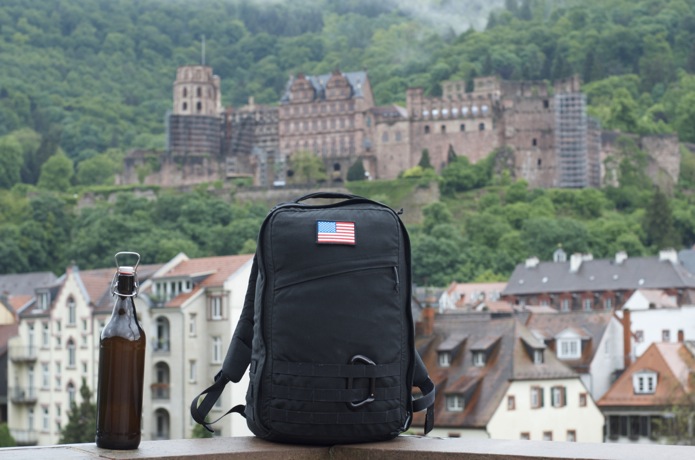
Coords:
83,82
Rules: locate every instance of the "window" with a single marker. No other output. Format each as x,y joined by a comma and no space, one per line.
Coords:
587,304
162,338
45,335
571,436
443,129
71,393
534,143
31,419
43,300
639,336
454,403
192,324
565,305
558,394
525,436
462,127
84,324
582,399
479,358
547,436
45,423
608,304
399,136
665,335
215,305
71,353
216,350
537,356
427,129
444,359
536,397
45,376
569,348
385,137
71,311
481,127
192,371
644,382
511,403
58,376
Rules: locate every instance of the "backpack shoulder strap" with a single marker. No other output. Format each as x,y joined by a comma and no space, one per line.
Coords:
426,402
236,360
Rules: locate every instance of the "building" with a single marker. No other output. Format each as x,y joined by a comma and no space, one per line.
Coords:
590,343
495,379
187,308
330,116
583,283
547,137
659,325
640,403
472,297
193,306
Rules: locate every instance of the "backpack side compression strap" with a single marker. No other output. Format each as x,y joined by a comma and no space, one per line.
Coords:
236,360
422,380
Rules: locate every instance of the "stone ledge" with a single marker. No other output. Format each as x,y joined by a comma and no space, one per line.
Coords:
401,448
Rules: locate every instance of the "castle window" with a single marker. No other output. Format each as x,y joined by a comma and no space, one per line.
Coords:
443,129
481,127
462,128
545,103
534,142
385,137
538,163
398,136
198,106
184,106
199,92
427,129
185,92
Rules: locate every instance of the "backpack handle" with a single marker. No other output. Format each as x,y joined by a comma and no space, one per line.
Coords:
328,195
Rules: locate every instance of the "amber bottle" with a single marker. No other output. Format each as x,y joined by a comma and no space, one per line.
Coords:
121,368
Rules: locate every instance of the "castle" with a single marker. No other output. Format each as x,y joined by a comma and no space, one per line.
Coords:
549,139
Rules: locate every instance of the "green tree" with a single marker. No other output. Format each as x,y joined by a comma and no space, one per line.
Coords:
425,162
82,419
11,160
99,169
356,171
6,439
306,168
56,173
659,228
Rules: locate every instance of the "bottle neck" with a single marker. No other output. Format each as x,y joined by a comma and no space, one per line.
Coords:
125,285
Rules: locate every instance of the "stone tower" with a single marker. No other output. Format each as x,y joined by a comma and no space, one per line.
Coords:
197,92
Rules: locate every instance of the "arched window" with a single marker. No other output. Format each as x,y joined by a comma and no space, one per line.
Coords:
72,313
199,92
160,389
199,106
71,393
161,420
185,92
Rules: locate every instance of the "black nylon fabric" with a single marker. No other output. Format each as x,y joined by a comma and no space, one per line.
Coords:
326,304
326,331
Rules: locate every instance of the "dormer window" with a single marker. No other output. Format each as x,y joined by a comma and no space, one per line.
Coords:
537,356
479,358
644,382
454,403
569,348
444,359
43,300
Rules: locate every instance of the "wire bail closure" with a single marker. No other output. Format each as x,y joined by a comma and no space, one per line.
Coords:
118,266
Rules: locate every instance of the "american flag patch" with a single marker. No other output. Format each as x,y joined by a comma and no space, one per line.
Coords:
331,232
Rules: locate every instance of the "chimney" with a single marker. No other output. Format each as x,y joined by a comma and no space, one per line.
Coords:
427,316
532,262
575,262
620,257
668,255
627,338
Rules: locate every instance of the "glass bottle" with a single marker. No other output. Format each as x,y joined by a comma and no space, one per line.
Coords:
121,367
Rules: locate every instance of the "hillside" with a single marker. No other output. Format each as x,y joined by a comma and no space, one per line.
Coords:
83,82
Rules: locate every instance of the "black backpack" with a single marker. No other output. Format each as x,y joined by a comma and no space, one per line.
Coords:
326,328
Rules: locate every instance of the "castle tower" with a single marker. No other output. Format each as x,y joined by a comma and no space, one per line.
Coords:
197,91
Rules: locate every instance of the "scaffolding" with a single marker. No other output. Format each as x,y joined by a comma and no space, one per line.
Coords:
571,140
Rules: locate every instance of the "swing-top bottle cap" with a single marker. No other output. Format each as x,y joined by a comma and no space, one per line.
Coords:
126,270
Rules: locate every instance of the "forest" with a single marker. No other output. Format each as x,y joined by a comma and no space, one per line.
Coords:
85,81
